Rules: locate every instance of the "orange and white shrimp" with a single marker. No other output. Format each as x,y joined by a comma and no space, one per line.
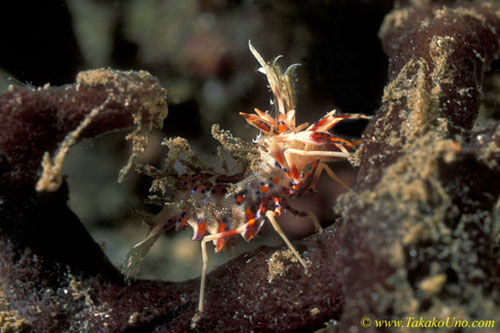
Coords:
284,161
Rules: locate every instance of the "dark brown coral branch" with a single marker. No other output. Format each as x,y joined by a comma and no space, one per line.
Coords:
416,235
48,260
421,218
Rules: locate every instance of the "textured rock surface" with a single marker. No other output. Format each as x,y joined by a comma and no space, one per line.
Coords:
420,228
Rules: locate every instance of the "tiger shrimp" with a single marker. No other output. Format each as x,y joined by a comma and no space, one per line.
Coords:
285,161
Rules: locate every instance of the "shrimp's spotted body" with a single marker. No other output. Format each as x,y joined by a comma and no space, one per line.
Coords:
284,161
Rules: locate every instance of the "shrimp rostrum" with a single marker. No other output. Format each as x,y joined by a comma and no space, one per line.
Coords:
284,161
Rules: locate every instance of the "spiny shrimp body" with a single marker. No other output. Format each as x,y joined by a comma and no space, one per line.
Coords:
285,161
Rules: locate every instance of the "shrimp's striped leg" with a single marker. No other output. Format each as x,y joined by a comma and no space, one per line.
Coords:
330,173
281,160
270,216
220,242
265,116
322,166
253,221
181,222
315,221
329,120
288,154
323,139
305,181
204,258
277,206
297,212
258,122
295,175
